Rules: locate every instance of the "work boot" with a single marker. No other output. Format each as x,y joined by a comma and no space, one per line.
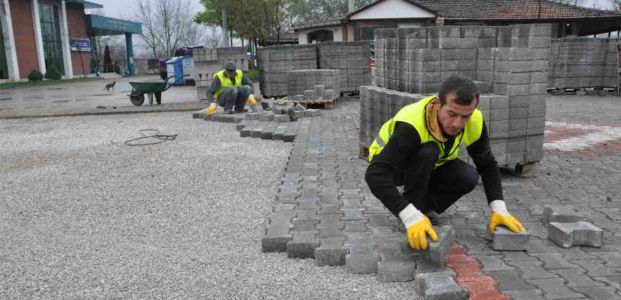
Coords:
434,217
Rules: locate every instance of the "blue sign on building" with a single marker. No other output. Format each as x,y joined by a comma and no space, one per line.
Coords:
82,45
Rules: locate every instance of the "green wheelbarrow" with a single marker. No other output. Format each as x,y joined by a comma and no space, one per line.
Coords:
149,87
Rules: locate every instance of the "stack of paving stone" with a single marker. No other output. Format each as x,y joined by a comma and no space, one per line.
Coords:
351,58
313,86
583,63
208,61
274,63
509,64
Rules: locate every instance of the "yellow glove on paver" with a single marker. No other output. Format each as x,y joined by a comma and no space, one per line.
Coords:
500,216
212,109
418,227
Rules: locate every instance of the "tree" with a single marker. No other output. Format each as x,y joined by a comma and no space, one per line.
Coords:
167,25
253,19
304,11
616,4
107,62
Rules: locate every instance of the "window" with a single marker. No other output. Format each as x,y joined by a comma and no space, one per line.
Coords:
50,32
4,70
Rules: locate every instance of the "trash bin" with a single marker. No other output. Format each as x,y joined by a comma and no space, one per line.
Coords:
174,67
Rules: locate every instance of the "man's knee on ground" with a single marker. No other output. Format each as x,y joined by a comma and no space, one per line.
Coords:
470,179
246,89
232,90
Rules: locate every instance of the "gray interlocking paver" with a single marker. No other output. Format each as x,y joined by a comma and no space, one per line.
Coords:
555,288
331,252
439,286
531,269
575,234
505,239
577,278
493,263
438,250
534,294
510,280
599,293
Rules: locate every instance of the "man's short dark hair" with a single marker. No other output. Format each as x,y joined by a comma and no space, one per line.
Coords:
464,88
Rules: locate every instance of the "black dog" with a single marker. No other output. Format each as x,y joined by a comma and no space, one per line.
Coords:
110,86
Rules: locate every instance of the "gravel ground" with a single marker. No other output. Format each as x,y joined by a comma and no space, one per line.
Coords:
84,216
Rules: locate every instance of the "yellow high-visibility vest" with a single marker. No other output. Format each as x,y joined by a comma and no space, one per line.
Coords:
226,81
414,114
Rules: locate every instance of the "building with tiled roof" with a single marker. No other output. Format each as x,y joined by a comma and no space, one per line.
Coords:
360,23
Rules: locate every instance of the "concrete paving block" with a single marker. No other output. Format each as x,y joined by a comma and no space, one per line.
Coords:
303,244
562,214
276,237
266,117
312,112
241,125
575,234
396,269
253,116
505,239
331,252
438,250
440,286
268,132
281,118
361,258
309,95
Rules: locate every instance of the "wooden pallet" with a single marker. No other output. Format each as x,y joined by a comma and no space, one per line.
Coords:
321,104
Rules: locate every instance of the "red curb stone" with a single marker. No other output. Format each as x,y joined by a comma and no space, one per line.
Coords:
468,271
483,283
457,250
488,295
461,258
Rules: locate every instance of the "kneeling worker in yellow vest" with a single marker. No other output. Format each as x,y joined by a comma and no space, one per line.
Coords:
418,149
229,89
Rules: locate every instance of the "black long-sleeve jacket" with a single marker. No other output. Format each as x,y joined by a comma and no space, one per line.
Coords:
386,170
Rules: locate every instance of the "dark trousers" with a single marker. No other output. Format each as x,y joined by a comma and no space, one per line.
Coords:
430,189
234,96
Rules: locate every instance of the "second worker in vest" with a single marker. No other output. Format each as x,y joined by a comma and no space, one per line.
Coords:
230,88
418,149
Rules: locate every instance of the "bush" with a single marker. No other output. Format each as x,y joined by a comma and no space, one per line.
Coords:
253,74
35,75
53,74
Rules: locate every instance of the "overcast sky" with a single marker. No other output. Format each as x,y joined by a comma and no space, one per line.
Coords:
125,8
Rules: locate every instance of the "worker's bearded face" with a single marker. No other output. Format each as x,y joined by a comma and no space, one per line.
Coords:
452,116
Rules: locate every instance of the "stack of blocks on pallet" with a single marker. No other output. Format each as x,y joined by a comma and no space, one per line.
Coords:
313,86
567,228
274,63
351,59
509,64
208,61
584,63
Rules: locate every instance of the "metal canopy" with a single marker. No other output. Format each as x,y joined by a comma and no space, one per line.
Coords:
100,25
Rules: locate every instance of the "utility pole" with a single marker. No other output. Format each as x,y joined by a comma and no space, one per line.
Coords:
225,28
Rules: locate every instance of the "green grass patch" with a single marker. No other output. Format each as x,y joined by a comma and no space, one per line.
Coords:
25,84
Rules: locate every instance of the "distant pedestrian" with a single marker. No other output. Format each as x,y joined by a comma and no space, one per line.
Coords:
230,89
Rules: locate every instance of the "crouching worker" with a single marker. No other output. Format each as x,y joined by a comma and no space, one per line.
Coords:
418,149
229,89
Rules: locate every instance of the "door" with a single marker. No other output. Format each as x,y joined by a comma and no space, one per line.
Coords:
50,32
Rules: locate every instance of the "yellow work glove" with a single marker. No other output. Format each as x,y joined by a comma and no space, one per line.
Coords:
212,109
418,227
500,216
251,99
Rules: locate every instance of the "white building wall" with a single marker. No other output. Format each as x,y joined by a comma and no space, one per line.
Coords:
337,34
